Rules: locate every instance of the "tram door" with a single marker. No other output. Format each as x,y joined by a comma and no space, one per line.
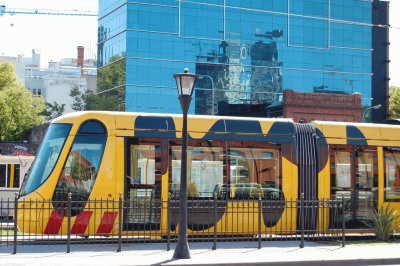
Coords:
354,177
143,185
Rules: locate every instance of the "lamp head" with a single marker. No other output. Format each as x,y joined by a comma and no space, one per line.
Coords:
185,82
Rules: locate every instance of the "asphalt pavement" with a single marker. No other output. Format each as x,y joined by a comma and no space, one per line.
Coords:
240,253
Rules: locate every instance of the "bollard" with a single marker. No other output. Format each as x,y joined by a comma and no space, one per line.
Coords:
343,224
259,220
120,223
302,219
169,222
15,223
69,223
214,247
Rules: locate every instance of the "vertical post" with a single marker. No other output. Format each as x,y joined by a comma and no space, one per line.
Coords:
69,222
343,223
15,223
259,220
182,247
302,219
214,247
169,222
185,83
119,223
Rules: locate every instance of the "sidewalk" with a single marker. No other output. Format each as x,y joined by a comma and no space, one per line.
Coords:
242,253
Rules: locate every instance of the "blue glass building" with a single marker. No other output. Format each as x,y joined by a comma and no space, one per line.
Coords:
245,51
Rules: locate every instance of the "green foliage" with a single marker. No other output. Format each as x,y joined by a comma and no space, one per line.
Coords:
19,110
112,75
384,222
108,101
7,76
110,88
78,103
53,110
394,102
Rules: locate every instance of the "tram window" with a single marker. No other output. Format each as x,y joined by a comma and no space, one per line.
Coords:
143,181
144,169
9,175
143,164
366,170
205,170
340,168
17,174
254,171
392,174
3,175
46,157
353,168
80,170
81,167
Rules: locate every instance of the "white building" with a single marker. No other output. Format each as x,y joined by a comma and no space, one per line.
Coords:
21,63
55,82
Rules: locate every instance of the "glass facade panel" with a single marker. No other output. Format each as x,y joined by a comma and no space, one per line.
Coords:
308,32
201,21
313,8
271,5
244,51
107,6
153,18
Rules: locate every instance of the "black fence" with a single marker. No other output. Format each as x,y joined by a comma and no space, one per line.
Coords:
147,220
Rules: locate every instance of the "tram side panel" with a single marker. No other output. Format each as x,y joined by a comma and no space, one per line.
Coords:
76,158
361,169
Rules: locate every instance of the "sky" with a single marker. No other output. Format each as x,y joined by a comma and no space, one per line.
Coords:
57,37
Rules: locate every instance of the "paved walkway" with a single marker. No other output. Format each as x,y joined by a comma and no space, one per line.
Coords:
242,253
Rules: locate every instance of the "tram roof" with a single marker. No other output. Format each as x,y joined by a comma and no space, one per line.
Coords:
199,126
366,131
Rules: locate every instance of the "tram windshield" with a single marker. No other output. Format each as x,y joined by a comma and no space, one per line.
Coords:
46,158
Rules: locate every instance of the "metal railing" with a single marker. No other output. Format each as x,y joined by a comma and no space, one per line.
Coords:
145,220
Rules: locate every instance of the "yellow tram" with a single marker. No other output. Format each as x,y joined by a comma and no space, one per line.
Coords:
98,155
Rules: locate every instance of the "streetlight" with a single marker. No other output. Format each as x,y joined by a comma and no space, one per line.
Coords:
375,107
185,83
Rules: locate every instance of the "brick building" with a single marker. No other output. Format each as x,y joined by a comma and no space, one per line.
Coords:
322,106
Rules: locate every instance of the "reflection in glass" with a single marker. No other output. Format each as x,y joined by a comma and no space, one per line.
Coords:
46,158
80,170
392,174
144,184
251,50
256,168
205,170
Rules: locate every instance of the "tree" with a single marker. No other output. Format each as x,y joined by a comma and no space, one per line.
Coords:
19,110
7,76
394,102
78,103
112,75
53,110
113,101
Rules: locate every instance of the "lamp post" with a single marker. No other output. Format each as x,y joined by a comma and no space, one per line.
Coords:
185,83
375,107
